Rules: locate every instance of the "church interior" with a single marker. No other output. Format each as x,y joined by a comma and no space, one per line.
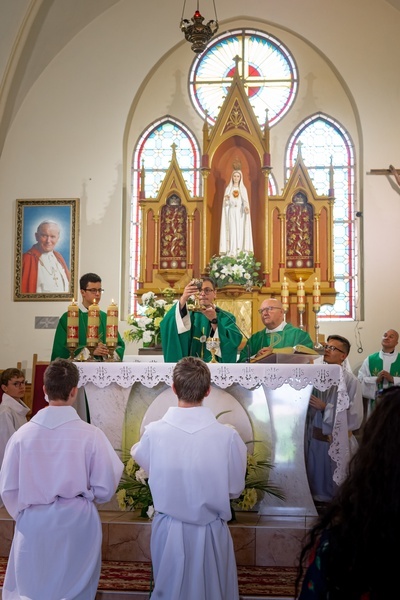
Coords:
90,87
79,90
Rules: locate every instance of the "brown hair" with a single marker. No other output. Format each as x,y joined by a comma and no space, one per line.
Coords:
192,379
59,378
9,374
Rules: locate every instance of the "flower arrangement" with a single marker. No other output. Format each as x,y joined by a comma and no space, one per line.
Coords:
257,485
146,325
235,270
133,491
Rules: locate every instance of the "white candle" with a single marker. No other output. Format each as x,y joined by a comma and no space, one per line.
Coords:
301,296
72,324
92,335
285,295
316,296
112,324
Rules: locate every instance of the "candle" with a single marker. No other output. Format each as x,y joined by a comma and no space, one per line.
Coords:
112,324
301,297
73,324
316,296
92,335
285,295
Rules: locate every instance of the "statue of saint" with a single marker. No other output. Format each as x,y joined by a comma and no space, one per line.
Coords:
236,235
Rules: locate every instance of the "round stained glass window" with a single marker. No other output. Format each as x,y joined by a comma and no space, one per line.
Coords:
266,68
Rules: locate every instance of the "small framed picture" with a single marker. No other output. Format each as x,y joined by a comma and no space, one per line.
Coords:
46,255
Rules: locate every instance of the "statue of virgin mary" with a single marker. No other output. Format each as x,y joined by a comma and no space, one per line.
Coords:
236,235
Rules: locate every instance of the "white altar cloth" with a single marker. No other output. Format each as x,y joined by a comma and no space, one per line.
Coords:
274,396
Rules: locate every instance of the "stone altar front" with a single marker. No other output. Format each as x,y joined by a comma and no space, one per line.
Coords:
267,403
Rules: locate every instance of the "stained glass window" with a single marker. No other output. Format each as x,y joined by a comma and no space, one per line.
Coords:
265,65
322,141
154,152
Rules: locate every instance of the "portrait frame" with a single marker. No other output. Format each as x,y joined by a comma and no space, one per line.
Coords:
63,212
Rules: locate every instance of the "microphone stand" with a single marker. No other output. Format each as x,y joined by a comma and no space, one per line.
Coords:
233,320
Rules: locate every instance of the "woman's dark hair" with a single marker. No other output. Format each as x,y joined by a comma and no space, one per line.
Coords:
363,520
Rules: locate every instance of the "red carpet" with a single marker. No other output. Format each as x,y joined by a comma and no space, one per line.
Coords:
135,576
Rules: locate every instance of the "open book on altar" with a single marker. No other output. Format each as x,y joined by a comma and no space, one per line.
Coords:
296,354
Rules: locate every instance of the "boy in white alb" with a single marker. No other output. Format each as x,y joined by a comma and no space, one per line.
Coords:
13,409
195,466
54,470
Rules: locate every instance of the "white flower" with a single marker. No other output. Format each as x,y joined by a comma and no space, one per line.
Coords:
143,322
148,297
247,276
141,476
160,303
150,512
237,271
147,336
226,269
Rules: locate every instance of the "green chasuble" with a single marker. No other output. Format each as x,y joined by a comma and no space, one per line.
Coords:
290,336
375,364
60,349
193,343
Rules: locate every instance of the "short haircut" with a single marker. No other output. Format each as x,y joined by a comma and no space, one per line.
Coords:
192,379
84,280
342,340
59,378
211,280
9,374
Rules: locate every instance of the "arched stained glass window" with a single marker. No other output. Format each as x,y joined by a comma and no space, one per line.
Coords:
266,67
154,152
323,140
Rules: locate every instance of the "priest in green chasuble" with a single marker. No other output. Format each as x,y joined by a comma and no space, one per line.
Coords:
90,286
381,369
276,333
184,332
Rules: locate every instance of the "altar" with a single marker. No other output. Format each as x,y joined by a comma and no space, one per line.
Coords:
266,403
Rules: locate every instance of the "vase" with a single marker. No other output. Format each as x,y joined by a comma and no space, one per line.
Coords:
233,290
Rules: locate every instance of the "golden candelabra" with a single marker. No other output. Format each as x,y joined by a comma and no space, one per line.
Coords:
111,346
91,346
72,346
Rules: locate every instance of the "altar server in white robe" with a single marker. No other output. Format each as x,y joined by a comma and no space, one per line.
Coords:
55,468
195,466
321,417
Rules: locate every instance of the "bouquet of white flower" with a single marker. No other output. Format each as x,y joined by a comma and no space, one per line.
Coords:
235,270
146,325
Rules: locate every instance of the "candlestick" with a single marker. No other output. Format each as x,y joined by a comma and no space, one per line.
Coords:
112,329
316,296
92,334
72,328
285,295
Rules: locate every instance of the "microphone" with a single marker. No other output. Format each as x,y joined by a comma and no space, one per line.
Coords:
232,319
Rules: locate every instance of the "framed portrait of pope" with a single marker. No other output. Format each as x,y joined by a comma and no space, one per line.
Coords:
46,249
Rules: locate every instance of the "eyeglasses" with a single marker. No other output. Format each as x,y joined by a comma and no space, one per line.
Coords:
94,290
333,348
268,309
17,384
206,290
